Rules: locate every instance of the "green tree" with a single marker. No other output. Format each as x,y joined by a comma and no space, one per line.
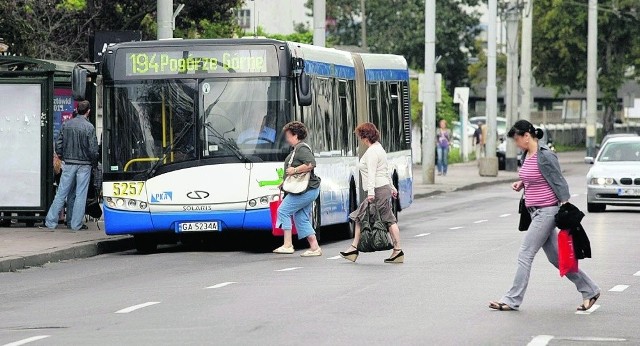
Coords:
60,29
560,47
302,35
478,69
397,27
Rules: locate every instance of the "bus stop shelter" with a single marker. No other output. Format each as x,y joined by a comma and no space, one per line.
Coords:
27,120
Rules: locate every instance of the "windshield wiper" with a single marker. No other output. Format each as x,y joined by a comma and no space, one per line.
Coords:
152,170
228,143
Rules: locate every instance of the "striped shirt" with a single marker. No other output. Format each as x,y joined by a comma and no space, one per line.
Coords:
537,192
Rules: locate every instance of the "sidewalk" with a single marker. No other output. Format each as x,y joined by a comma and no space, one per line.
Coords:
28,247
465,176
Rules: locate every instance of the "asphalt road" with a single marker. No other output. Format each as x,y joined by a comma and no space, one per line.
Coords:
460,250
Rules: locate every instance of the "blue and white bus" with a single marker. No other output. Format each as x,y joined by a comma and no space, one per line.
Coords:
192,133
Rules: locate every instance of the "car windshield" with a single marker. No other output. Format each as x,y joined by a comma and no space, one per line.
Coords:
620,152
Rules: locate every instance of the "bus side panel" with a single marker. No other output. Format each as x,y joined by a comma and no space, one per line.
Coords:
401,164
336,175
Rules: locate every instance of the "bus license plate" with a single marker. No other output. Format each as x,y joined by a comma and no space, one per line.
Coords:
199,226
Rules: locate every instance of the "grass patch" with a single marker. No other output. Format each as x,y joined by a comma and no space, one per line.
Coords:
455,156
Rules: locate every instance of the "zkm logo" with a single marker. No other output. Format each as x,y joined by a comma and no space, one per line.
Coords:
166,196
198,194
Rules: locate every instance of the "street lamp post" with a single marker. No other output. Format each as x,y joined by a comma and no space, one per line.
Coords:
592,77
429,97
512,90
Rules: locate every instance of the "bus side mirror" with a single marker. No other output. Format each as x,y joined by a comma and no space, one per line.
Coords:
79,83
304,90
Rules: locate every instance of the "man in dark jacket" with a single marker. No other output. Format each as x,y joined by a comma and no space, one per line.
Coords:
77,146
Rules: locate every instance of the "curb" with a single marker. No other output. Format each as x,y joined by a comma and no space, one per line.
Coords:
75,251
463,188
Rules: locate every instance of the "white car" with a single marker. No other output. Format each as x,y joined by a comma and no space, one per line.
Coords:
614,178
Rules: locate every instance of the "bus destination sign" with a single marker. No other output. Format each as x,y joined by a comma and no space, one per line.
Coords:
167,62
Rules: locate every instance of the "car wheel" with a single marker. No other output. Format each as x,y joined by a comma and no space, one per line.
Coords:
596,207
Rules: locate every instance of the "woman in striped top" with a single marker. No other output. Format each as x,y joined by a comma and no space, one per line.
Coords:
545,189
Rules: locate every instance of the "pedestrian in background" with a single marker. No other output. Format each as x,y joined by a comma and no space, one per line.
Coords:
477,140
545,189
298,206
77,146
443,136
376,181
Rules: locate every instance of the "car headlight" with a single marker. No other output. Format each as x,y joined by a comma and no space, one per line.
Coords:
603,181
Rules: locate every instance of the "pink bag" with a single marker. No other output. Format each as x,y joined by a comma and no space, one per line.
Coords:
273,207
567,261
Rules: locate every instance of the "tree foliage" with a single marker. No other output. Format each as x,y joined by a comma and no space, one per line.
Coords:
397,27
560,47
60,29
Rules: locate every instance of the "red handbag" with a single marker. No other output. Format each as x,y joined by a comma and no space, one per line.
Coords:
273,207
567,261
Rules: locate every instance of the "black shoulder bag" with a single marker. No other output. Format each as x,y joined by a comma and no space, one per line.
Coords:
374,235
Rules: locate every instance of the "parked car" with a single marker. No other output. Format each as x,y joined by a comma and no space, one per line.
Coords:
614,178
457,132
501,123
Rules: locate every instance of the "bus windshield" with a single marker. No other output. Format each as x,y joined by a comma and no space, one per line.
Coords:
246,113
178,120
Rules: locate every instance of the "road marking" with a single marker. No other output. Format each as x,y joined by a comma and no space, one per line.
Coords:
334,257
575,195
619,288
288,269
481,221
636,274
27,340
421,235
220,285
588,312
454,228
136,307
593,338
505,215
540,340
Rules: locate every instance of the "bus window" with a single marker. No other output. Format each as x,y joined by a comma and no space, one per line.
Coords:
374,113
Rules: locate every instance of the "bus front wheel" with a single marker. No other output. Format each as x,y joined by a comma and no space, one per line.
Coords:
145,244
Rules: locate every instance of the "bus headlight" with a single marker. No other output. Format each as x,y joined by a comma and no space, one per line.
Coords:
261,202
125,204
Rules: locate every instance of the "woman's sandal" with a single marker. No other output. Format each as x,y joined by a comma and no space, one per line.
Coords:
500,306
592,302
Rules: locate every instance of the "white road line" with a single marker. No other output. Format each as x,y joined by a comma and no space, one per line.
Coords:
288,269
588,312
454,228
593,338
421,235
136,307
619,288
27,340
575,195
481,221
220,285
334,257
505,215
636,274
540,340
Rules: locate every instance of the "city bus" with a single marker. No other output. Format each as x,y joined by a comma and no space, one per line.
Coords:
192,132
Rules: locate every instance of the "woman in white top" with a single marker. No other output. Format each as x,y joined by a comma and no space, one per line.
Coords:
376,181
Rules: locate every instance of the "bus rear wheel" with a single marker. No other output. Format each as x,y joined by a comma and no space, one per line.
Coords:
315,218
145,244
350,227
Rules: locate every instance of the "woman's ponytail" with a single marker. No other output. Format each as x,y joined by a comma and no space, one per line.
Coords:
539,133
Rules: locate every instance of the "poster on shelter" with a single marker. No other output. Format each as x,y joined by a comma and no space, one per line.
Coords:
63,106
20,145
